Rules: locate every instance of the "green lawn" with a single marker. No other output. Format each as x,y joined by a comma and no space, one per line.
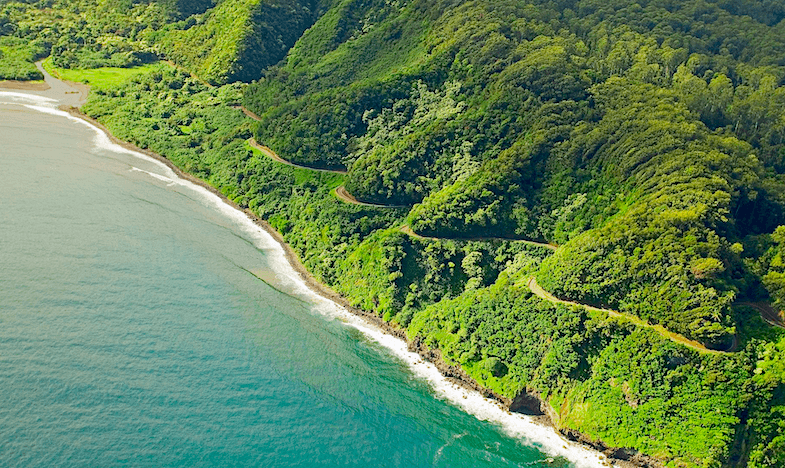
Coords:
101,78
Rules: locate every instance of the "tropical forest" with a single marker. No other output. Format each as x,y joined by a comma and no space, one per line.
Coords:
575,203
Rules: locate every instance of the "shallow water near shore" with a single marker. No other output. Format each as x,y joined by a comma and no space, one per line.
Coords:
144,323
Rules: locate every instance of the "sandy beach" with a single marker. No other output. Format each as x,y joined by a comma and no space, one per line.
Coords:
24,85
66,92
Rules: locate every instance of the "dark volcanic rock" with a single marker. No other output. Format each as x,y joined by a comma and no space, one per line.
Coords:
526,403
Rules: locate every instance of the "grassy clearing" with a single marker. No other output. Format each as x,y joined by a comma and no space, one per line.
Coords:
101,78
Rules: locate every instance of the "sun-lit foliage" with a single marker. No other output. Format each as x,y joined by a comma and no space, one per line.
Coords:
646,139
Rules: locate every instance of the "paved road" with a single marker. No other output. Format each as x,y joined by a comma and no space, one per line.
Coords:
769,314
272,155
249,113
408,230
538,291
347,197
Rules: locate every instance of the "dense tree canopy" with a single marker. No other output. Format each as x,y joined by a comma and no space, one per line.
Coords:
646,139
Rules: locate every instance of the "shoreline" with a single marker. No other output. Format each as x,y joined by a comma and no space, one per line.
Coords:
38,85
452,373
528,404
67,93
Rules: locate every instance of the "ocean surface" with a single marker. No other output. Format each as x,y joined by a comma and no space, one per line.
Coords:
145,323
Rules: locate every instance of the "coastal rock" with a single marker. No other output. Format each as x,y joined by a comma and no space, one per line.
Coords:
618,456
527,403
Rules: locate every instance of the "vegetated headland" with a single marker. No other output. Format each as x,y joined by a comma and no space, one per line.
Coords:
643,139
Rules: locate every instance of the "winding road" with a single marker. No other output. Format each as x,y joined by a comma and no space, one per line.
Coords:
274,156
342,194
768,313
248,112
538,291
408,230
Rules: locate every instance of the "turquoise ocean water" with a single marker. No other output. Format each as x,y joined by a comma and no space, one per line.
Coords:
133,334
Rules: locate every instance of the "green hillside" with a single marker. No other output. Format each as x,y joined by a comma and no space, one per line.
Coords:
579,199
236,40
586,125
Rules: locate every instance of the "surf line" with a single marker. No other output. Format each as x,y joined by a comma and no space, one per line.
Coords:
295,281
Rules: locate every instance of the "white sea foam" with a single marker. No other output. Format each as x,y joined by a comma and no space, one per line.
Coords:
169,181
50,108
103,142
516,425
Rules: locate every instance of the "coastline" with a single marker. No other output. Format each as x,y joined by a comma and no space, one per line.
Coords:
452,373
529,404
24,85
74,95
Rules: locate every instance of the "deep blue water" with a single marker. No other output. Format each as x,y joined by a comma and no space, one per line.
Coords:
132,334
